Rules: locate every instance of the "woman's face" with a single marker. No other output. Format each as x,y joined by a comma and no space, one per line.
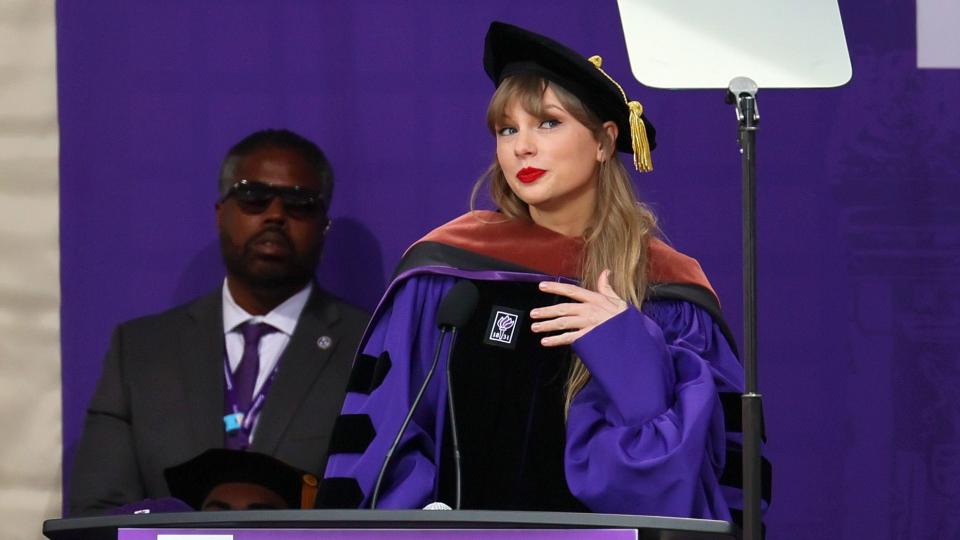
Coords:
550,162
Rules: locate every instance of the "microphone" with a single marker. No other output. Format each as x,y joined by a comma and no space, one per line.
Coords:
437,505
458,305
454,310
456,313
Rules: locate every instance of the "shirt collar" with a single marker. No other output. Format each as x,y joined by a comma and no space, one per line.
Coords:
283,317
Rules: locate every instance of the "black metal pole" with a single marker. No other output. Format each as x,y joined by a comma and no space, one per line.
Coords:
743,92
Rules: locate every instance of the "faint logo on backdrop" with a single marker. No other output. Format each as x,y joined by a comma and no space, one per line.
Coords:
895,165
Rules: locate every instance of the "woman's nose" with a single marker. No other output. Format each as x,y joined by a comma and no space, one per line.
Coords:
525,143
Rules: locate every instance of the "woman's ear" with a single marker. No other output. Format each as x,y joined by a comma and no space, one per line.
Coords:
608,141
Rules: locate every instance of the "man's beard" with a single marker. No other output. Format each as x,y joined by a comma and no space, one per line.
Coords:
261,273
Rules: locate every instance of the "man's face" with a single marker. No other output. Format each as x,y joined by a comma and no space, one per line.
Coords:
271,248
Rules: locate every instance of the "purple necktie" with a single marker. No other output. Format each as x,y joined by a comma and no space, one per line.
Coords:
245,379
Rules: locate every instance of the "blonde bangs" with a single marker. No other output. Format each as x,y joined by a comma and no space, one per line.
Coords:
527,90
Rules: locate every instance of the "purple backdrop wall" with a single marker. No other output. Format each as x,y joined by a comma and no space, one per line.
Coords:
859,245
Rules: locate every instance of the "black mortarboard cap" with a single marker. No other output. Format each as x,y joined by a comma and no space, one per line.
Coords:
191,481
510,50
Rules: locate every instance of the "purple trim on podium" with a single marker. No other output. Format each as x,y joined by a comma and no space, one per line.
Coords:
371,534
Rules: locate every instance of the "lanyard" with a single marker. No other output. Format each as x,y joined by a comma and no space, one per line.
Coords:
238,420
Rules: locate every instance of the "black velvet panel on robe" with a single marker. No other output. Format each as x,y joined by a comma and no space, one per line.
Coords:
509,407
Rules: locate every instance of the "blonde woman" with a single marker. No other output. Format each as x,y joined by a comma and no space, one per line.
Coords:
593,372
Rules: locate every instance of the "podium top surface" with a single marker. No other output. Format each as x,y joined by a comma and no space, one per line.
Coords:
648,527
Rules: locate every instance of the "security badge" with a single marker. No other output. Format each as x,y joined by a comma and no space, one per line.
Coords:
233,422
502,329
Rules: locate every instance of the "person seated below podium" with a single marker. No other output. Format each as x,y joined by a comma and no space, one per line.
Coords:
225,479
595,371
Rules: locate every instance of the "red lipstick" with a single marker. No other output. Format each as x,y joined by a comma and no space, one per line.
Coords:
529,174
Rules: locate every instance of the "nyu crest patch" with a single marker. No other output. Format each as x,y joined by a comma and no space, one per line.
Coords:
503,328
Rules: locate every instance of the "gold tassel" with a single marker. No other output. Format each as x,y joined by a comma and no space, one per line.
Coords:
642,160
308,491
638,136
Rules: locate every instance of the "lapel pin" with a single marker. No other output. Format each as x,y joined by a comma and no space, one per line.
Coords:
324,342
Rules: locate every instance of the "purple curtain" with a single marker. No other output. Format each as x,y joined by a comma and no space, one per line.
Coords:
859,240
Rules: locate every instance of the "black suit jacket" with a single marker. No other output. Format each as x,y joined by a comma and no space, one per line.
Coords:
159,401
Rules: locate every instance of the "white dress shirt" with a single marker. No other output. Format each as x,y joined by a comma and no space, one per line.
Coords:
283,317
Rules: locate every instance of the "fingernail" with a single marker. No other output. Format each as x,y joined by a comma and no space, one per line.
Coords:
543,284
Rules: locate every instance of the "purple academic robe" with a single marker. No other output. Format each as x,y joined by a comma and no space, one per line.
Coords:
646,435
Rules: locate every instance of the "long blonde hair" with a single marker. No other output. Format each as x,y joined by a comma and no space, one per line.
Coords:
616,238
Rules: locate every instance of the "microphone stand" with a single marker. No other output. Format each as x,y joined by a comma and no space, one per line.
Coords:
454,439
406,421
742,93
453,312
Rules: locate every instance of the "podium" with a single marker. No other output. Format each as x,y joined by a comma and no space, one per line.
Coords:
387,524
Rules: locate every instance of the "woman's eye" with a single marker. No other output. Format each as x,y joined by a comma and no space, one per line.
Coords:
506,131
549,124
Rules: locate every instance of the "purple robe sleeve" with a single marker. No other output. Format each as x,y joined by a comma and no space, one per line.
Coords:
646,434
404,328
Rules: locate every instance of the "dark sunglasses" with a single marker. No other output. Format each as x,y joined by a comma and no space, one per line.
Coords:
255,197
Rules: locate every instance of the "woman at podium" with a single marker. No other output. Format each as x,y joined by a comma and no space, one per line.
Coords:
593,369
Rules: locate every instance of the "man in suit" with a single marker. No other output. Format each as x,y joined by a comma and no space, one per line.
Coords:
261,363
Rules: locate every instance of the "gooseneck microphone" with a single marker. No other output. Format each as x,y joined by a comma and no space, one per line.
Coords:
455,310
455,317
458,305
